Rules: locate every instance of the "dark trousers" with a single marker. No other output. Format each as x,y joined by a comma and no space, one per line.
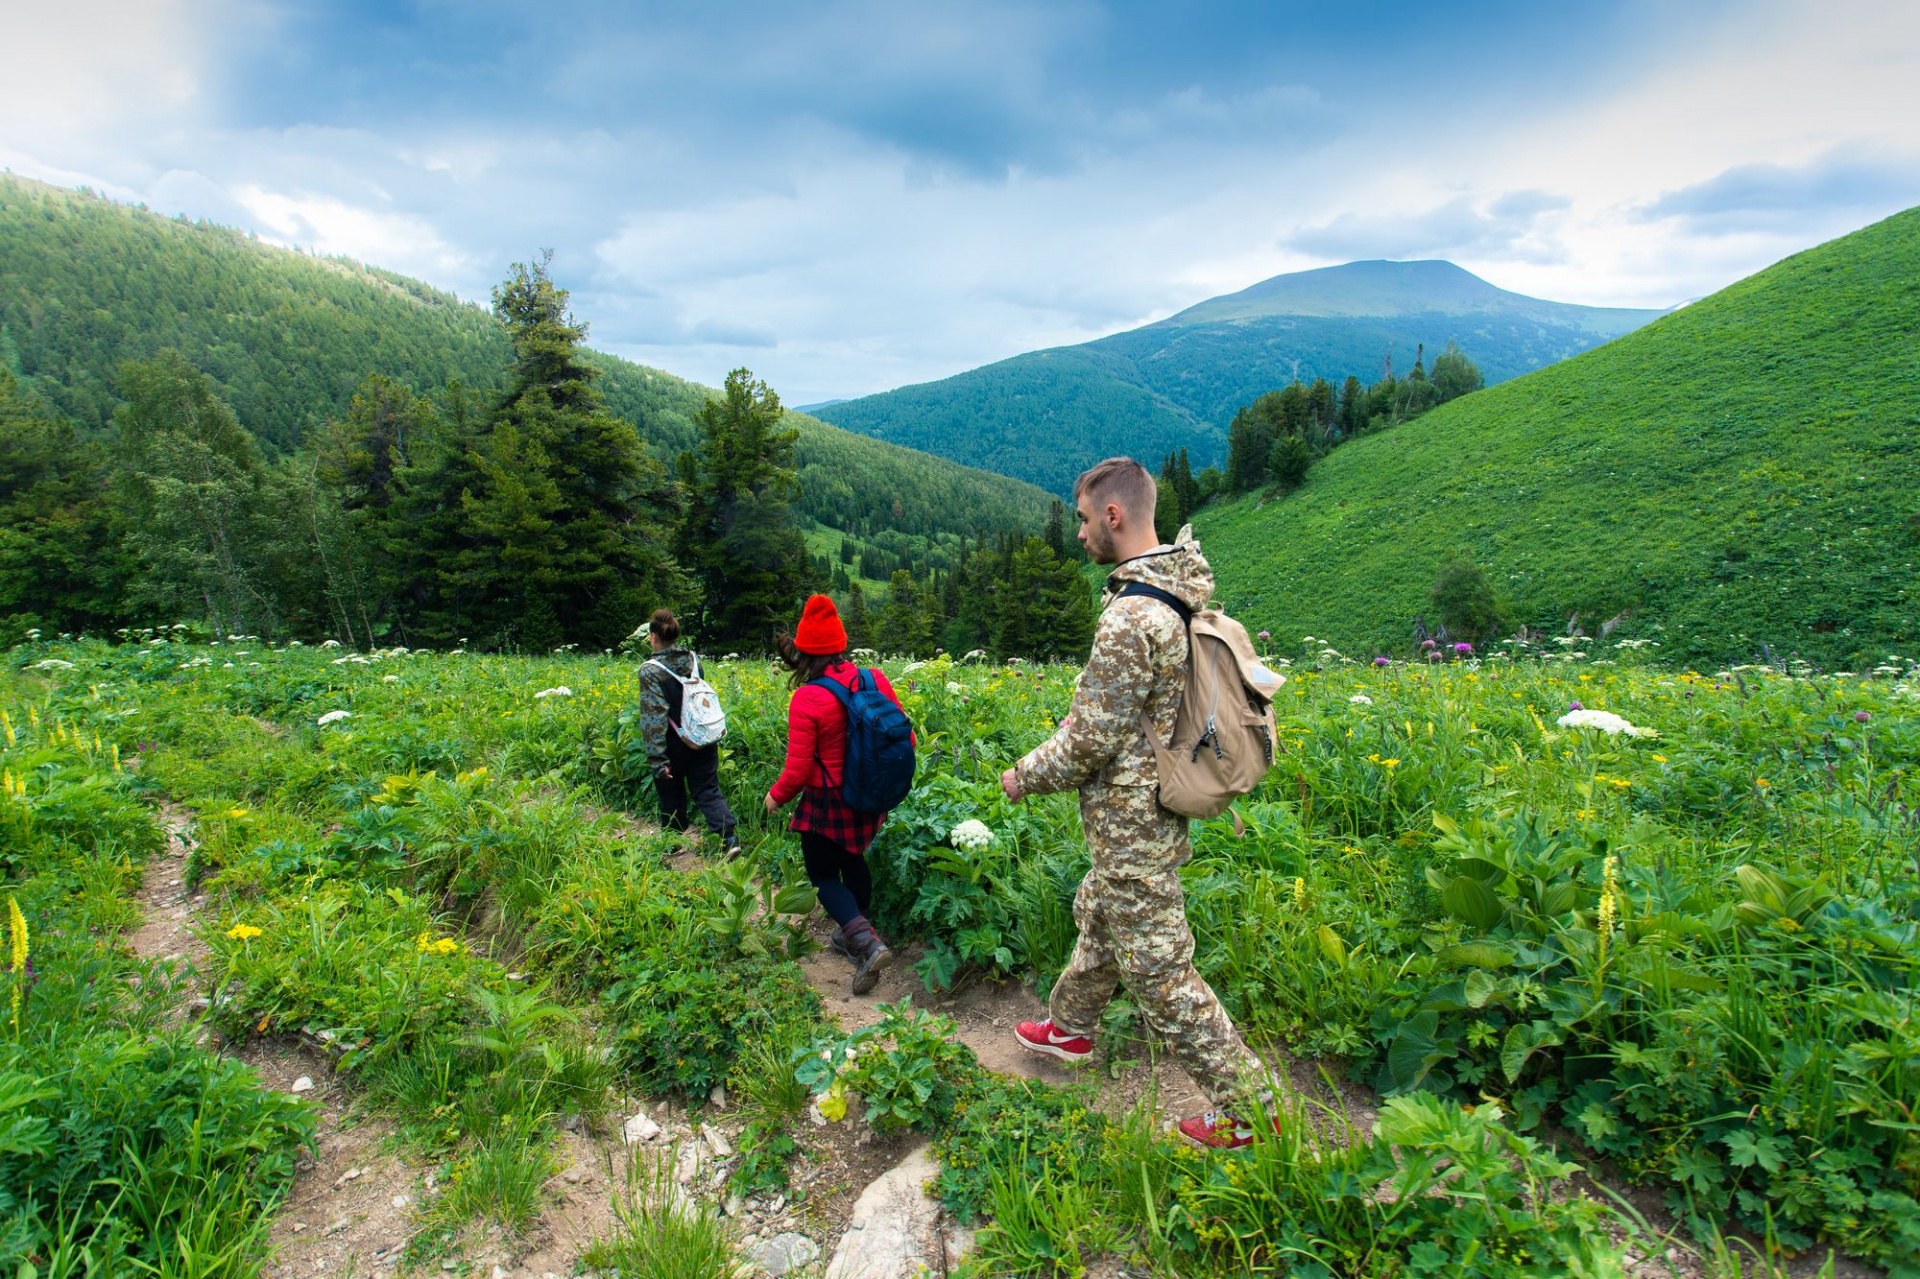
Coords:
696,777
841,878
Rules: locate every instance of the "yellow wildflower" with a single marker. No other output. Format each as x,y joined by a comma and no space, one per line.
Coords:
1762,782
17,926
243,932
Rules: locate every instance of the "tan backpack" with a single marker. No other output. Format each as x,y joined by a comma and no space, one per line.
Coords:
1223,736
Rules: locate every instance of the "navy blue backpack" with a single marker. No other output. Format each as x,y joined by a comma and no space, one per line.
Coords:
878,771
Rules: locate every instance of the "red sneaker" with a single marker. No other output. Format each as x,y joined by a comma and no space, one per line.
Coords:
1041,1037
1218,1130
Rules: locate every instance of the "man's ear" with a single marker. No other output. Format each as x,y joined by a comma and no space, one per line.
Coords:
1115,516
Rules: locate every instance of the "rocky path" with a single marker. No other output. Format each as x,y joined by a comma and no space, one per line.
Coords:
856,1208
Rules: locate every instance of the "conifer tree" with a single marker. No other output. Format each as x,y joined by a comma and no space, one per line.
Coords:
193,487
740,532
61,566
858,622
567,529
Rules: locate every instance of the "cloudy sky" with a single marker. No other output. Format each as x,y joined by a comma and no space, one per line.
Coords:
849,195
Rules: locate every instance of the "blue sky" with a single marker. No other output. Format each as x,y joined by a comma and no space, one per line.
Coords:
848,196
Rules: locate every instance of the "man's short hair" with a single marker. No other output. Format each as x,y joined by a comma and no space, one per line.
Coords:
1122,481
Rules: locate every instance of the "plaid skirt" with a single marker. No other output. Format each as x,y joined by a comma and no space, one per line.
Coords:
822,811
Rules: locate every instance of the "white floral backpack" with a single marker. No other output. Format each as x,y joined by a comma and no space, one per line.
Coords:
703,721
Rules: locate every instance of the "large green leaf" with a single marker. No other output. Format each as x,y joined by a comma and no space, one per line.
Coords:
1522,1042
1477,954
1471,902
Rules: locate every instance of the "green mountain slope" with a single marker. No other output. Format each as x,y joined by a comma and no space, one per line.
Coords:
86,284
1046,415
1743,471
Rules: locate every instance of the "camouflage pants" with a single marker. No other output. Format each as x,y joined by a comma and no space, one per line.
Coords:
1132,914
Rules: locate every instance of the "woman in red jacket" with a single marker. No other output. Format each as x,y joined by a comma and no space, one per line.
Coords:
833,837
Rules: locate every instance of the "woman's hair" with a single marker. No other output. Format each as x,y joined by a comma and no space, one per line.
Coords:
807,667
665,624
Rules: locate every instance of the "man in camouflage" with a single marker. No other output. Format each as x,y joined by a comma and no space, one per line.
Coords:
1131,908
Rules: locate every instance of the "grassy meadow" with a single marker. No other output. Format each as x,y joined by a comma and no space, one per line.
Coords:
1679,937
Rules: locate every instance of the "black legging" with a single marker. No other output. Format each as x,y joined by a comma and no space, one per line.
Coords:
696,777
842,879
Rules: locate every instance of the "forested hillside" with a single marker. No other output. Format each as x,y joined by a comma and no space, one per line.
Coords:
1046,415
195,426
1741,473
87,284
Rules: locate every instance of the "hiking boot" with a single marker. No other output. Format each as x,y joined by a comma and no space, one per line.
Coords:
1042,1037
730,846
1218,1130
840,945
870,955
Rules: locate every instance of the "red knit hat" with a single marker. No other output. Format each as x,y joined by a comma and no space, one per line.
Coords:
820,631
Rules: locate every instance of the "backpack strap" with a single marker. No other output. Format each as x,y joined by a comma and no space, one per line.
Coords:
865,682
654,661
1168,598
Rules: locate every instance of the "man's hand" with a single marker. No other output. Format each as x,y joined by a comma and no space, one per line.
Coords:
1010,783
770,805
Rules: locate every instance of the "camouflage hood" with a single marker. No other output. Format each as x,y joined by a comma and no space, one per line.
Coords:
676,659
1179,569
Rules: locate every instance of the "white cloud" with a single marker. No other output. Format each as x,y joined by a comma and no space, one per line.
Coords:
821,213
72,67
327,225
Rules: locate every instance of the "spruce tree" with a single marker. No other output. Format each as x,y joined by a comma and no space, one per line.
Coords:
567,529
858,623
61,565
740,532
193,487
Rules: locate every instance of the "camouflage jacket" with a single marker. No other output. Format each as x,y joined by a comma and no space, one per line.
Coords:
1138,663
658,694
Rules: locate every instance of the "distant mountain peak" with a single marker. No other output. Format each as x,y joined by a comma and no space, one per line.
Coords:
1380,287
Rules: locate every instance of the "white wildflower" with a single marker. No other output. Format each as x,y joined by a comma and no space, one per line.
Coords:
911,667
51,664
333,717
972,833
1606,721
559,691
955,688
975,654
329,643
1361,699
389,679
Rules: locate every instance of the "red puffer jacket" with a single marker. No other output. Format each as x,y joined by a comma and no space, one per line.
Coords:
816,725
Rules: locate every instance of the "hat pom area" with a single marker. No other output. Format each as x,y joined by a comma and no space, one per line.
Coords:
820,630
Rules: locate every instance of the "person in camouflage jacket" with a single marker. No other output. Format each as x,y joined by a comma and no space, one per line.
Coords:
1131,908
681,773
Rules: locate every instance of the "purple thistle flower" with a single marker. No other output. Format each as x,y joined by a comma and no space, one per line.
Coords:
1266,635
1463,649
1576,707
1861,717
1383,661
1429,644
